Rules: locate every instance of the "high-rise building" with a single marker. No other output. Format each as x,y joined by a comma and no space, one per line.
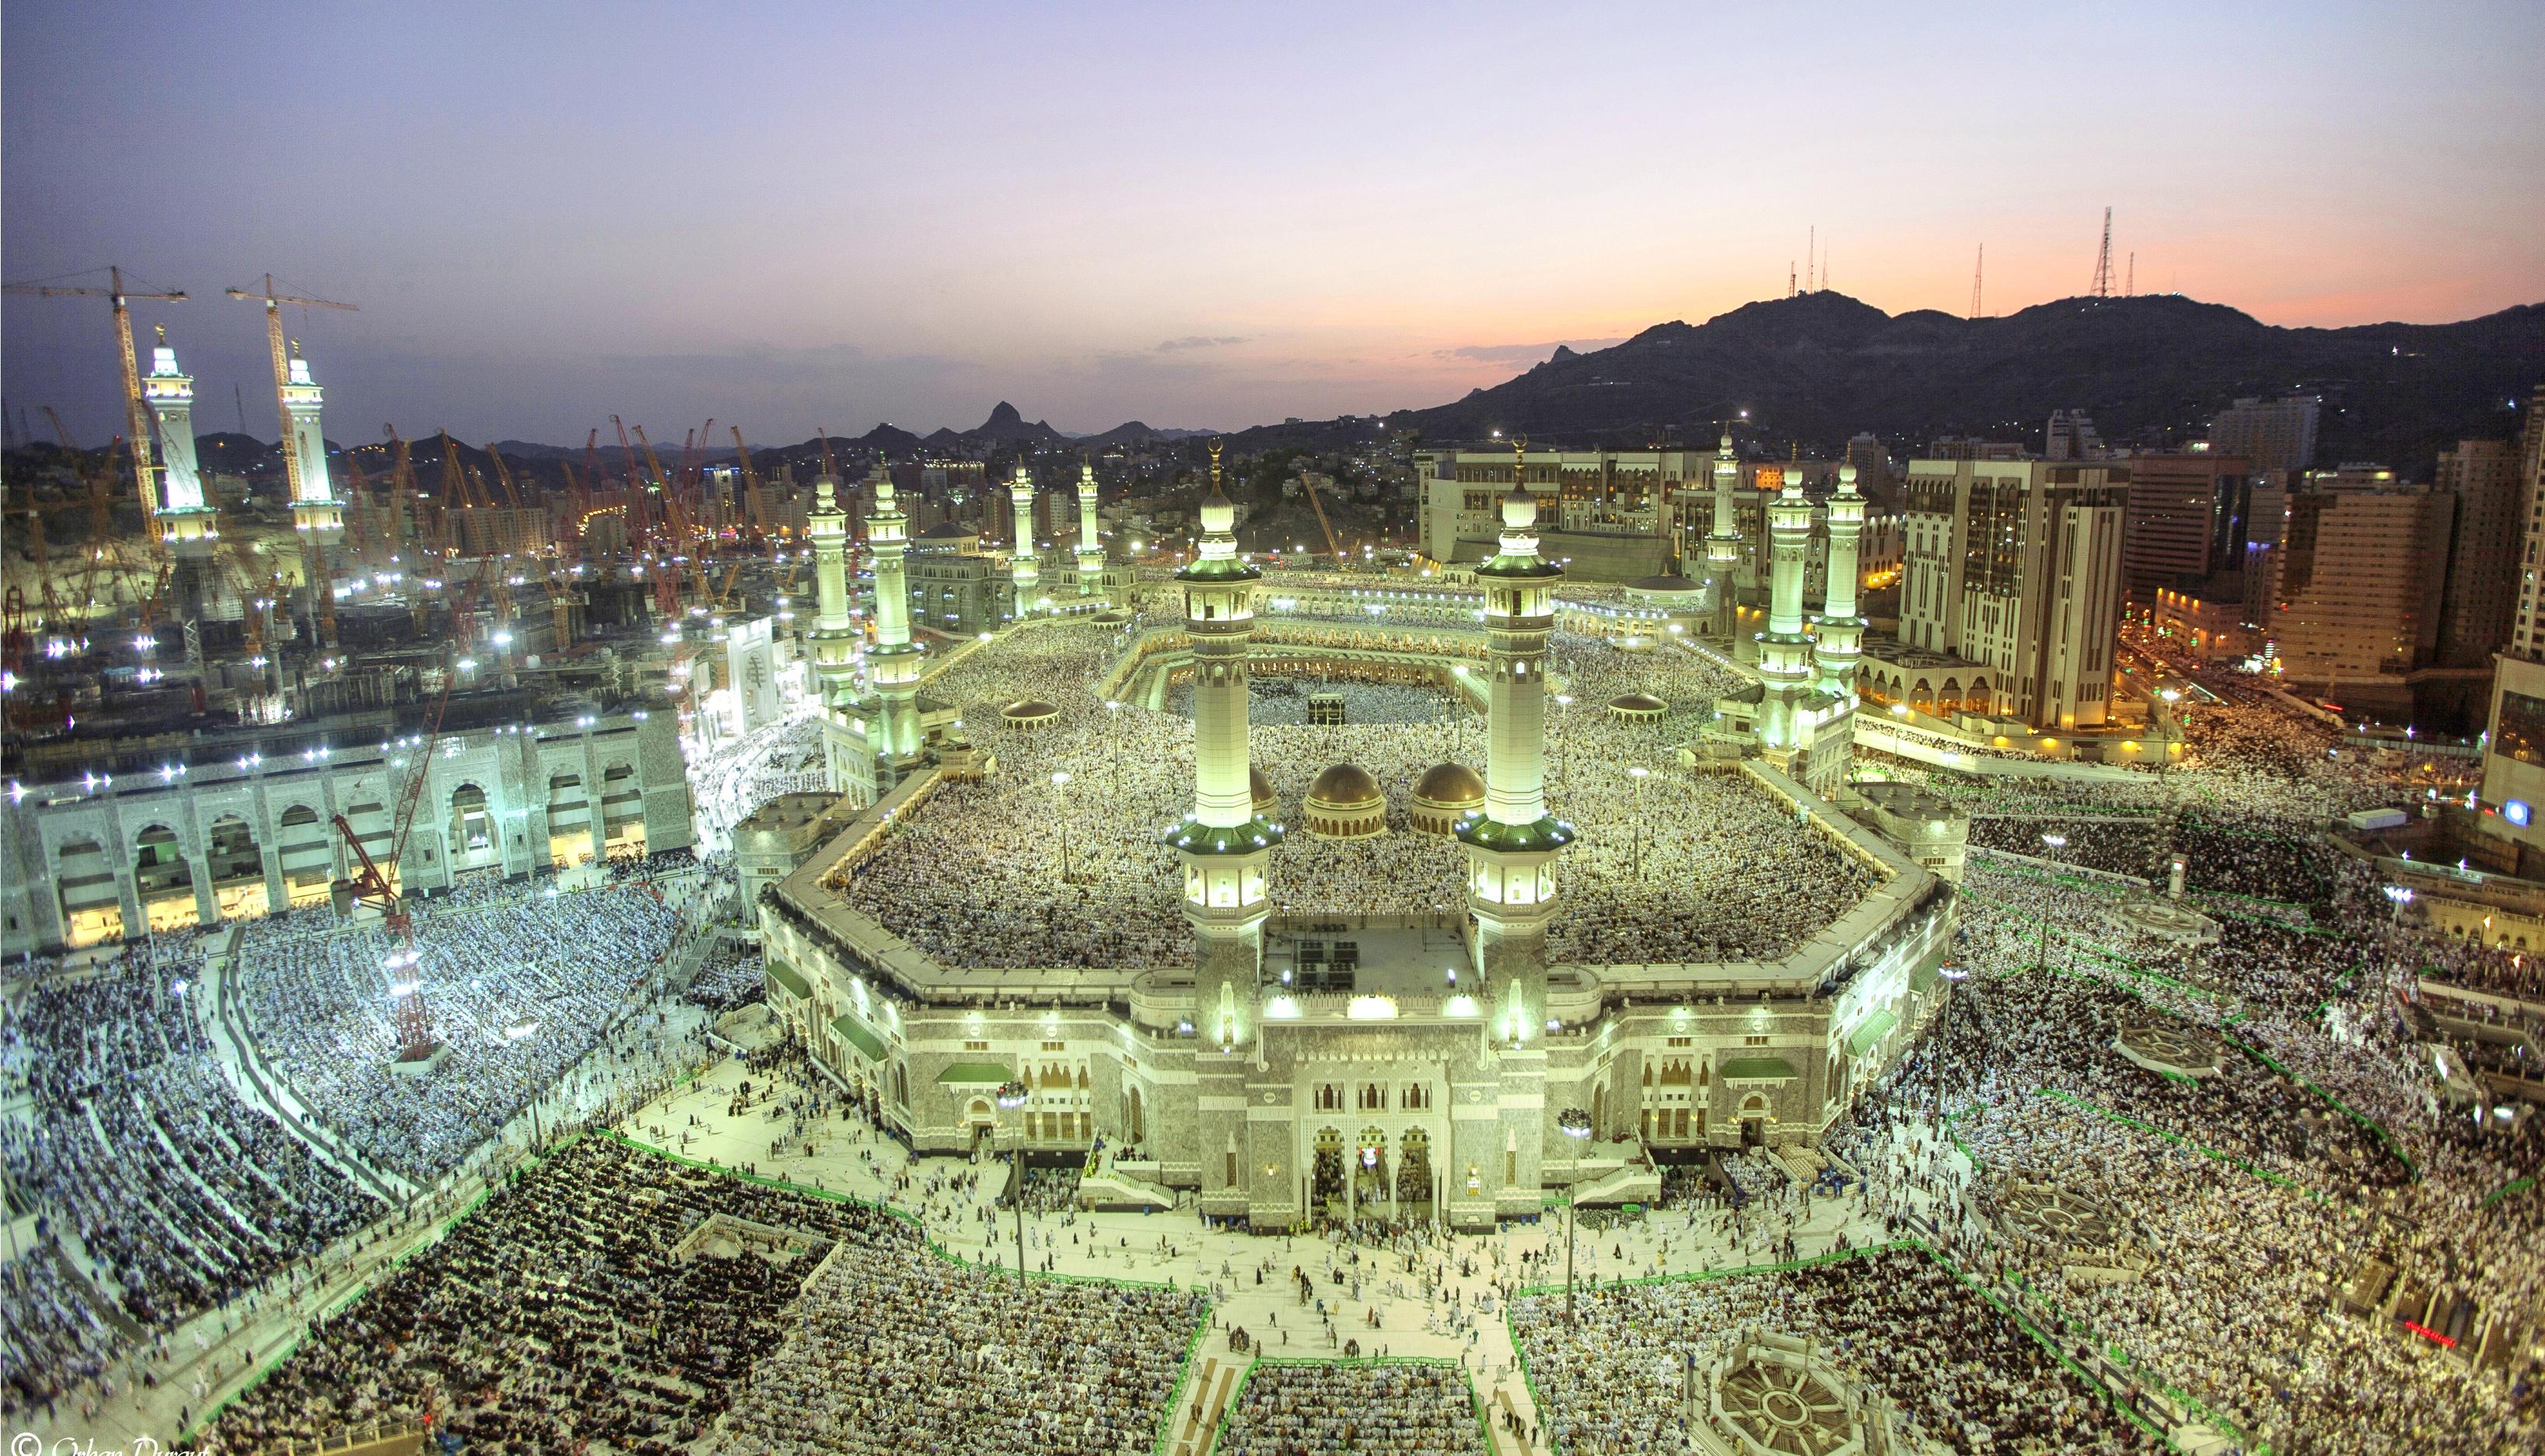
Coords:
1872,462
2015,566
2278,435
2513,762
2186,520
2071,436
2359,583
2479,595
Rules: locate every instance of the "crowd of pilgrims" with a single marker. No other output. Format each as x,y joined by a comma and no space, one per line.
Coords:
733,975
576,1307
895,1349
1721,870
153,1182
2244,1198
1395,1407
729,784
1954,1370
519,981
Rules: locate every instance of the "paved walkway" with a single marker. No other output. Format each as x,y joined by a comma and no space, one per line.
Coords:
1411,1300
1437,1299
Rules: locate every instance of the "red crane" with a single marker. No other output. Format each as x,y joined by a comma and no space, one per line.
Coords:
371,884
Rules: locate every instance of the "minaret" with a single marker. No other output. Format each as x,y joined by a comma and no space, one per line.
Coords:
1785,652
185,522
1511,843
833,642
893,663
1842,639
1091,552
1224,846
1024,571
316,515
1723,543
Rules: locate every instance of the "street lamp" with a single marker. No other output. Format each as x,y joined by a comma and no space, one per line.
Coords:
1060,809
1574,1123
1953,976
1012,1096
1639,773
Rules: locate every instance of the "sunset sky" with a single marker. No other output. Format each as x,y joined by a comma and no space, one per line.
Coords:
796,215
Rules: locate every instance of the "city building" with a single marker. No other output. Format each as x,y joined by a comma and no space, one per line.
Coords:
1608,513
2359,582
2186,520
2275,436
2514,763
2013,567
2478,594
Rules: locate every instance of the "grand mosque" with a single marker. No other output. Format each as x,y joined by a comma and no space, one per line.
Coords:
1307,964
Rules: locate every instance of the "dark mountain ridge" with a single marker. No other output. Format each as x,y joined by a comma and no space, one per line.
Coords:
1820,367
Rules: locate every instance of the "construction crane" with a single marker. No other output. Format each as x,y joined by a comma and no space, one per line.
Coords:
370,884
137,416
357,501
754,507
322,590
504,477
1308,479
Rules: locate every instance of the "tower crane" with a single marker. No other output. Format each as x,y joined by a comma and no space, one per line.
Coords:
1307,479
754,507
136,417
504,477
321,586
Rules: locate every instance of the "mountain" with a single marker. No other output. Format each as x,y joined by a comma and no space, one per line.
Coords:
890,439
234,453
523,450
1821,366
1005,426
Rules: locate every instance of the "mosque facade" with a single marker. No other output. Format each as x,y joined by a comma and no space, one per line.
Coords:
1299,1070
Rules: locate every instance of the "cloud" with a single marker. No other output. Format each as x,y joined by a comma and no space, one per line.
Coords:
1520,352
1199,341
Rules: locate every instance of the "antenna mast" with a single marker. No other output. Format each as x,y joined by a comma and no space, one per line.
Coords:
2103,260
1811,257
2130,280
1978,266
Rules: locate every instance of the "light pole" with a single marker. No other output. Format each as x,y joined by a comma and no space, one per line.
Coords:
1953,976
1638,772
2049,841
1012,1096
1060,810
1574,1123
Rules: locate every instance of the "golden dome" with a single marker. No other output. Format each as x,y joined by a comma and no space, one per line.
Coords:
1345,786
1261,788
1449,784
